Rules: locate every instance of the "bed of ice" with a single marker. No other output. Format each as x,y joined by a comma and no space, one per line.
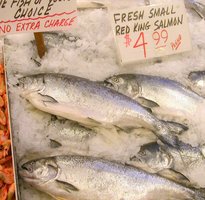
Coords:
92,56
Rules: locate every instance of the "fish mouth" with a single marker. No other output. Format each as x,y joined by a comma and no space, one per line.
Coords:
135,159
28,178
193,76
20,82
108,84
25,172
25,175
25,168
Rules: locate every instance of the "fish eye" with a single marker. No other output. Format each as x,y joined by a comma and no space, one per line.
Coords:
28,167
142,153
115,79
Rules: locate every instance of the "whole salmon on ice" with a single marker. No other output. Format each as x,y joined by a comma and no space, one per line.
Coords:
91,104
164,96
87,178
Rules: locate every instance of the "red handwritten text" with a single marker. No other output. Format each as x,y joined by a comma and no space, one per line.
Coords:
5,28
128,40
160,38
175,45
59,22
28,26
143,44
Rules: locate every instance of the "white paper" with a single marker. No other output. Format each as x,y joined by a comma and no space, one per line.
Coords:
150,31
18,16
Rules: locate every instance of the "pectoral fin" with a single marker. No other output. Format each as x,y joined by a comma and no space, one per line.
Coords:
47,99
60,118
66,186
124,129
39,100
68,110
93,122
148,109
147,103
54,144
175,176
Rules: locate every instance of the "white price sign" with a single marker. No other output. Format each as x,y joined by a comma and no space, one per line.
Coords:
150,31
18,16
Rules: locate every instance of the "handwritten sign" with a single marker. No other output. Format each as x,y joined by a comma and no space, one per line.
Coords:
151,31
18,16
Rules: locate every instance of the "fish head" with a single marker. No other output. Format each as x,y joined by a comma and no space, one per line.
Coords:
124,84
153,156
193,76
115,82
31,83
197,78
148,151
39,172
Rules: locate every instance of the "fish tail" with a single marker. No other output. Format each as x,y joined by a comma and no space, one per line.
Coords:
168,137
200,194
168,132
200,9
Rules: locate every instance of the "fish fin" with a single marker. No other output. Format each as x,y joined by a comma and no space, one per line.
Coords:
93,122
128,165
47,98
66,110
146,102
176,127
175,176
119,128
66,186
124,129
168,138
200,9
147,109
54,144
60,118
